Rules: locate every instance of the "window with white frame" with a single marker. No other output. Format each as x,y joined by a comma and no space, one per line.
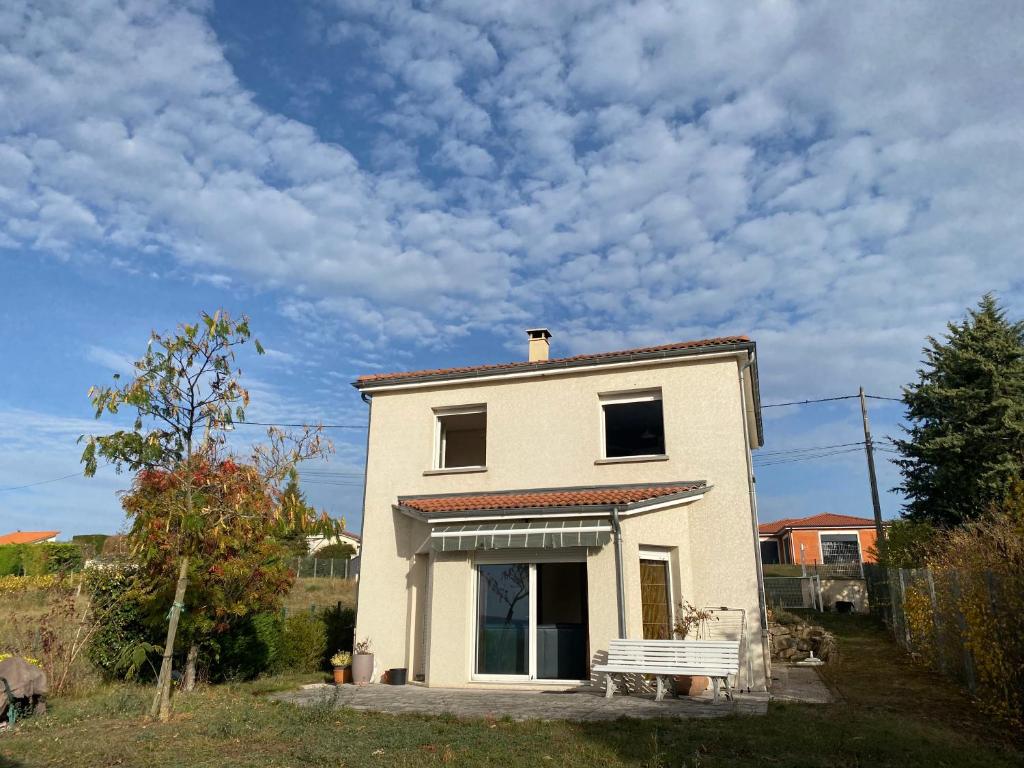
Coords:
460,437
633,424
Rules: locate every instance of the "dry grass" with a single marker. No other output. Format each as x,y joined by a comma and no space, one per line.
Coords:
892,715
320,593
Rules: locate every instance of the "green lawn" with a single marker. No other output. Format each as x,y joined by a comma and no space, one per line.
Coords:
891,714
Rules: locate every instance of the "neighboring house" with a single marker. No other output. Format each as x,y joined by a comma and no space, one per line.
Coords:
520,516
29,537
826,538
316,543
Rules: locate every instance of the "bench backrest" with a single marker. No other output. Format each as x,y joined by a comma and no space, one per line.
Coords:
688,654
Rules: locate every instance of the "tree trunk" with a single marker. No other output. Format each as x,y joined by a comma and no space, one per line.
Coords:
162,700
188,681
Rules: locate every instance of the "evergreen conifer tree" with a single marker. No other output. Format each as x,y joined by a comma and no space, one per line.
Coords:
965,444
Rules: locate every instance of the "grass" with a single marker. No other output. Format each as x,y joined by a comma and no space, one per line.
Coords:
890,714
782,569
321,593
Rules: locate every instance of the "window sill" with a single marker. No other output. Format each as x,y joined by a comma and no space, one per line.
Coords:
454,470
633,459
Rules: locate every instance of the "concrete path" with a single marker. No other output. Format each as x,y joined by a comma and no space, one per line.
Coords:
798,684
579,704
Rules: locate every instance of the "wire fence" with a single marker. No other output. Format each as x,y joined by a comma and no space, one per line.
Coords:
792,592
324,568
967,625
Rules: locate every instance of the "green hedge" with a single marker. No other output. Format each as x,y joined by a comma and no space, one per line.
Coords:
39,559
90,544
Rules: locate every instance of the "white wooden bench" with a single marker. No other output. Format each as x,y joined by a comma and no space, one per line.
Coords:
716,659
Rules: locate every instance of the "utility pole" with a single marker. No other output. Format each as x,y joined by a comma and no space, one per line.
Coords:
869,449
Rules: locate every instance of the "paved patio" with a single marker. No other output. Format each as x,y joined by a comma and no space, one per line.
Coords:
578,704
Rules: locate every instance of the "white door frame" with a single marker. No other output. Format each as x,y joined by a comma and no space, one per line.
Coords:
531,559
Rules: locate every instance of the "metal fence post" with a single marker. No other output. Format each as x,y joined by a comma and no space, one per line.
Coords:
332,568
314,567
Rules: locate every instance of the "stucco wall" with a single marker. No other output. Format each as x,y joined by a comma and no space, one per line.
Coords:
546,432
850,590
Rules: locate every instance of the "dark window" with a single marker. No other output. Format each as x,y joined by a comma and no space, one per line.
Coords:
634,429
769,552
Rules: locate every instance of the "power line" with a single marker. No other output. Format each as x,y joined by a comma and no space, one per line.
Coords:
782,451
41,482
794,459
830,400
805,402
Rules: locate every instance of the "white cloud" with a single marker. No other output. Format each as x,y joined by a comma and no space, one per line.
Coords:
830,180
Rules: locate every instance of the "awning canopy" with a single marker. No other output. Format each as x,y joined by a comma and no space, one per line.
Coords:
537,534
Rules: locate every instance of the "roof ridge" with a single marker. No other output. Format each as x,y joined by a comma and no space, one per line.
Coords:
537,364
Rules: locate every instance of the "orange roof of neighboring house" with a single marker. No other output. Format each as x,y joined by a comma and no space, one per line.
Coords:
561,362
553,498
27,537
824,520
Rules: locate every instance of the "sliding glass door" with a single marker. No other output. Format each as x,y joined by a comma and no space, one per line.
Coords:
503,615
532,621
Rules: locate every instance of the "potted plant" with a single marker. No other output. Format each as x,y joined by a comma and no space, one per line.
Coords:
691,622
342,663
362,662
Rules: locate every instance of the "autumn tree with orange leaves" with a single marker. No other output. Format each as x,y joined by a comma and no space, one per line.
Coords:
192,502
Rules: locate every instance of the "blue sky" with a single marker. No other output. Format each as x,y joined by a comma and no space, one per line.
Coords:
387,185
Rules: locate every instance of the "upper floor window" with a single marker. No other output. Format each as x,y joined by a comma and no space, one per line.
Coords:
633,424
461,437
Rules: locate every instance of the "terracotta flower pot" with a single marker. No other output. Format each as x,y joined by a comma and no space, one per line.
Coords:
690,685
362,668
342,675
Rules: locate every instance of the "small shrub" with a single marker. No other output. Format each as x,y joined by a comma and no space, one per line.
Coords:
305,642
341,627
118,613
338,551
254,646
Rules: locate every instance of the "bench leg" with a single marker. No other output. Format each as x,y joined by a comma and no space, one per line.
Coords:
659,694
609,685
714,682
728,689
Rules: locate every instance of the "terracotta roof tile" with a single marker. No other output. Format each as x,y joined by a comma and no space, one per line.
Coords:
548,498
27,537
823,520
375,378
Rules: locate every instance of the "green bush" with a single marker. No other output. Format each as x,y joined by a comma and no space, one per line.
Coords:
10,560
61,558
305,643
118,612
341,627
90,544
39,559
253,647
340,551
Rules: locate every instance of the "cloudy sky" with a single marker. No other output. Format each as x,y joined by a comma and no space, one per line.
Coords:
385,185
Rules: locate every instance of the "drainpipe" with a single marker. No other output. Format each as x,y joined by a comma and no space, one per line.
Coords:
368,399
753,524
620,583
